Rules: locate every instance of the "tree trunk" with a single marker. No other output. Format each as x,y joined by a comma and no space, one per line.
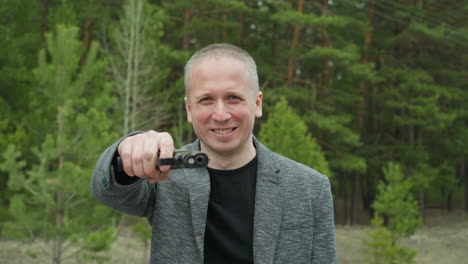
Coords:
241,28
355,195
419,4
274,38
186,39
223,29
368,37
365,60
216,31
57,252
344,189
87,36
450,200
86,39
422,205
136,93
57,248
294,43
128,80
464,175
325,43
45,15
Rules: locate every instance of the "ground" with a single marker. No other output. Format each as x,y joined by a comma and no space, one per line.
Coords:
442,239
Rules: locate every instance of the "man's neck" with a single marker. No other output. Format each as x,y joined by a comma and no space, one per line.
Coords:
231,160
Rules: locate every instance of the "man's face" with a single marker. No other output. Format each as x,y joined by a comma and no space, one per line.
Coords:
222,105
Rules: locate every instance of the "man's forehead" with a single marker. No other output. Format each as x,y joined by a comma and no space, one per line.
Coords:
218,60
221,67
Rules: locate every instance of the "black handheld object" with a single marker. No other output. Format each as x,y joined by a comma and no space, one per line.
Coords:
181,159
185,159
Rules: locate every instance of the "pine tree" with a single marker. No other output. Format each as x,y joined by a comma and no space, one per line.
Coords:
418,96
323,73
380,248
395,202
52,199
286,133
135,54
19,43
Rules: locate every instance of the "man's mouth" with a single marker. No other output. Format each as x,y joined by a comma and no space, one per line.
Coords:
223,131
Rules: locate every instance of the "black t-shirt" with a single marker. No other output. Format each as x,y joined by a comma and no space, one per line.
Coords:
229,225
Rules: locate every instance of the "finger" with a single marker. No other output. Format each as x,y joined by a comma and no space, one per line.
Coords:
161,176
150,149
137,156
125,152
166,148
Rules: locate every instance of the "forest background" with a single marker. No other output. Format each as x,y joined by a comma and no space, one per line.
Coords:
370,88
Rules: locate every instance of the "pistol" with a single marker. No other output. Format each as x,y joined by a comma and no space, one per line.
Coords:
181,159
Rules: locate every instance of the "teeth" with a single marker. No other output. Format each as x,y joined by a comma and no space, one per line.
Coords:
222,131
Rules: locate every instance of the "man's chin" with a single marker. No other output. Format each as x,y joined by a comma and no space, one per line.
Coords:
221,148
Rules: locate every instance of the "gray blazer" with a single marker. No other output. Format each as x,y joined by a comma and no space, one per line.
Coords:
293,220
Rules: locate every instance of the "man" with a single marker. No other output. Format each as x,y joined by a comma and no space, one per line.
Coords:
249,206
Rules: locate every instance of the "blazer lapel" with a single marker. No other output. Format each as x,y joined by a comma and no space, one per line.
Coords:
199,192
268,207
198,185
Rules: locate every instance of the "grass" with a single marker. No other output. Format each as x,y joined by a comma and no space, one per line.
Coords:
442,239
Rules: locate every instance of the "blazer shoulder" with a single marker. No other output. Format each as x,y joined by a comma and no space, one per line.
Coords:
297,176
289,169
293,167
301,182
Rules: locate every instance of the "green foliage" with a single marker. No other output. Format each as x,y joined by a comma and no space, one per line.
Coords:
143,230
396,202
14,167
336,129
138,61
56,178
31,253
62,79
96,258
415,95
64,13
381,249
21,39
423,175
100,240
286,133
32,219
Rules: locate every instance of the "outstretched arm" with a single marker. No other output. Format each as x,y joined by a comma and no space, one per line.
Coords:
132,191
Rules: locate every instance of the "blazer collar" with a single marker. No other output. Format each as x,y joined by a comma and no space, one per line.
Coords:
268,202
268,205
198,184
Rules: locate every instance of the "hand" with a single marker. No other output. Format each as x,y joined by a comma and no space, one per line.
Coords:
139,155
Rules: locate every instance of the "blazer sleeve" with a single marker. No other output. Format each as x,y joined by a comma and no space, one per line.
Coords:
324,241
135,198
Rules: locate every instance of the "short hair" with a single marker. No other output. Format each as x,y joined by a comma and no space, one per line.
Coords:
222,50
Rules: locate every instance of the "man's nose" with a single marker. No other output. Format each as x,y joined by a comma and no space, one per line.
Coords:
221,113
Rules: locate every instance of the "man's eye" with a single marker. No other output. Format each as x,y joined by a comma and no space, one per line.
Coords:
204,100
234,97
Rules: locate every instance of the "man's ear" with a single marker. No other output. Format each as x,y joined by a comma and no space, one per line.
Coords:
188,109
258,105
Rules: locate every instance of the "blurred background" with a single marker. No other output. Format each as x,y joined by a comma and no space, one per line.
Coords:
372,93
